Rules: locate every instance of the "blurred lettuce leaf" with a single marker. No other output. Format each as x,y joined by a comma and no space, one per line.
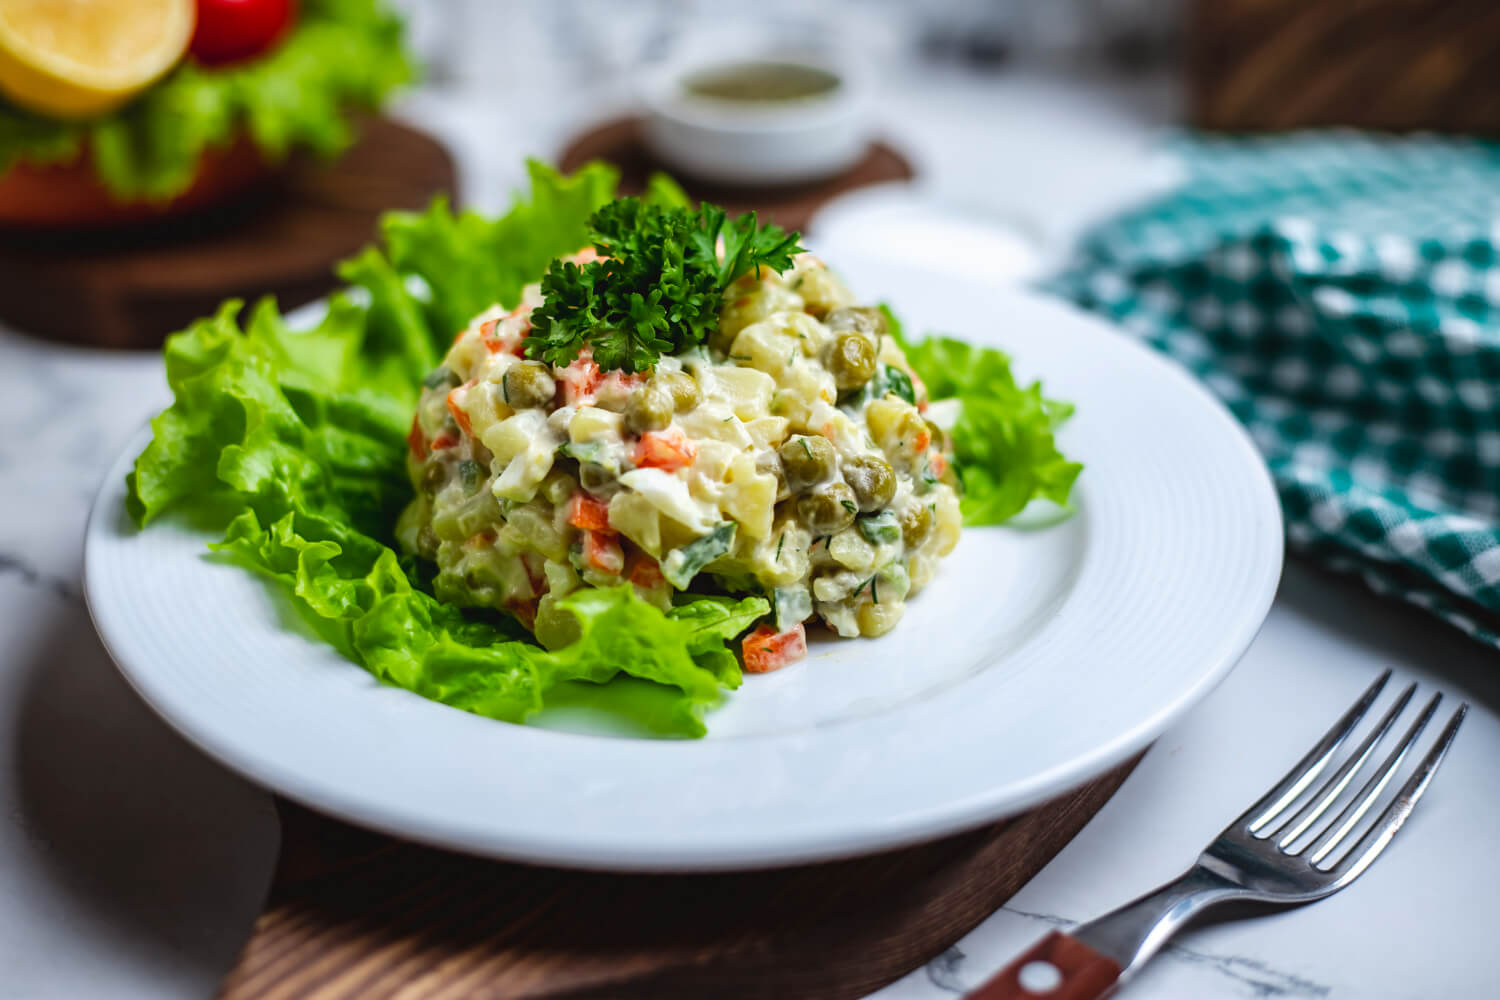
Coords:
1004,442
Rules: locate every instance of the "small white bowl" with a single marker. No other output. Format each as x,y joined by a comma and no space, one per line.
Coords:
749,142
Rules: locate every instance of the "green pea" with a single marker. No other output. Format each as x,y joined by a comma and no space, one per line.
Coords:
828,510
680,387
427,542
528,384
859,319
872,480
852,361
808,460
434,476
648,410
916,525
594,478
441,378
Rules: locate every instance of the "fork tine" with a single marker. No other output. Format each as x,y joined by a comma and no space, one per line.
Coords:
1352,813
1296,781
1378,836
1341,779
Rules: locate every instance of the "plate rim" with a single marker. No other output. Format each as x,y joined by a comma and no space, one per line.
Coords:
587,853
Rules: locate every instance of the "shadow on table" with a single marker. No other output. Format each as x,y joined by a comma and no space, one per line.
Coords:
1464,668
153,853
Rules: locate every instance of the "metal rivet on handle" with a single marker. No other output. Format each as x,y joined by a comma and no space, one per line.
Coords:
1039,977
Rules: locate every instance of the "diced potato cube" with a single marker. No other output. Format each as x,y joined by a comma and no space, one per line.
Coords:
594,423
768,432
633,516
820,289
525,472
512,436
750,497
747,391
949,520
851,551
751,302
763,347
670,495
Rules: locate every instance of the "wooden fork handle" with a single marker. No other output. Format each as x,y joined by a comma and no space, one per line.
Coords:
1057,967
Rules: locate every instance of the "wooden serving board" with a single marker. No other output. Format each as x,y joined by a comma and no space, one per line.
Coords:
354,914
131,287
791,206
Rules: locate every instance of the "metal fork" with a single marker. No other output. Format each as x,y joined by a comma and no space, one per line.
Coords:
1267,855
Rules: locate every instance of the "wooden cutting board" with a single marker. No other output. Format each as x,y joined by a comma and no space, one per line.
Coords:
131,287
354,914
789,206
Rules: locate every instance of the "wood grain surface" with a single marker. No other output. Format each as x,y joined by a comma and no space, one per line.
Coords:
1395,65
619,142
131,287
354,914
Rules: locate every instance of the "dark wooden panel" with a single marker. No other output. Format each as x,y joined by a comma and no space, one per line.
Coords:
131,287
358,915
1393,65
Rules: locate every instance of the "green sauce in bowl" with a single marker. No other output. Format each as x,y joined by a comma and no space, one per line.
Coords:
761,82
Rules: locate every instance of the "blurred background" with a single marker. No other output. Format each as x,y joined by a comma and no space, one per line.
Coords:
1033,115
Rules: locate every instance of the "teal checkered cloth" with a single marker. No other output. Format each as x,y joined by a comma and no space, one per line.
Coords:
1341,294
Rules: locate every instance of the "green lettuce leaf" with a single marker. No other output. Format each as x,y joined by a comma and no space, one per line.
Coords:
1004,444
292,442
341,54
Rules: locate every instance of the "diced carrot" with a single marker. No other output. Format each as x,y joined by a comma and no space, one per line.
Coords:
488,338
444,440
522,332
535,565
480,540
621,383
765,649
525,612
668,450
939,464
602,551
458,411
923,440
416,441
643,571
588,512
580,380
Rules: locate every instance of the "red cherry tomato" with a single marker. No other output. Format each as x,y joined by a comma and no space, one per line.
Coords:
231,30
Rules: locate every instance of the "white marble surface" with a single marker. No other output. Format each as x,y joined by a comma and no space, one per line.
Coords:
130,866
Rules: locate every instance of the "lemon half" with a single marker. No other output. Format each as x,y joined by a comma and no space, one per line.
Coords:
78,58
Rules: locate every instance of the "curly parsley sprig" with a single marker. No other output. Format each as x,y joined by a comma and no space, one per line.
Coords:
657,288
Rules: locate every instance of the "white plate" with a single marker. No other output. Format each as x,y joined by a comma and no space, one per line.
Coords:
1036,660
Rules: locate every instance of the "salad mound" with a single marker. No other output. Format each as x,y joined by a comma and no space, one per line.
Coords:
788,456
642,518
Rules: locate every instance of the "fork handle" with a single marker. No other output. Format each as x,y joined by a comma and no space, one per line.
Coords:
1058,967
